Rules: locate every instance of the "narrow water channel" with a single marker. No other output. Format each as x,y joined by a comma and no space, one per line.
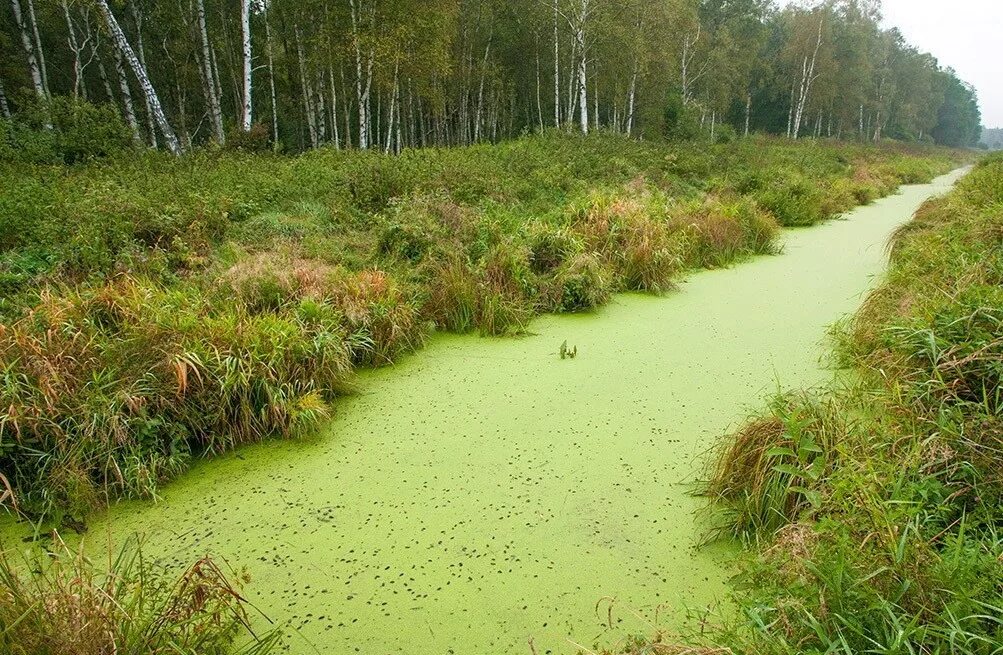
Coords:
484,492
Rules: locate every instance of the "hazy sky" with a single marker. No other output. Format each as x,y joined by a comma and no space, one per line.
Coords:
963,34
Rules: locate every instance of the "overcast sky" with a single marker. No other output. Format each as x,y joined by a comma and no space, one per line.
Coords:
964,34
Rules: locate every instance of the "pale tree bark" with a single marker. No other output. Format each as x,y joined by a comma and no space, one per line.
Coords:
689,76
127,106
748,112
480,89
557,71
363,83
4,107
79,88
38,45
144,80
29,50
388,144
245,29
808,76
137,18
539,83
211,97
583,96
271,82
336,134
631,95
103,74
311,118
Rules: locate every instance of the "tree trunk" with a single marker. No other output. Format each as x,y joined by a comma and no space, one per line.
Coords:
631,95
311,119
363,88
140,72
271,82
583,96
38,45
245,31
75,48
748,112
127,106
29,50
557,72
211,98
137,18
393,103
807,77
4,107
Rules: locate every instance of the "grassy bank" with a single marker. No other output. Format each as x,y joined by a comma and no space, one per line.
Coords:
72,605
159,310
874,511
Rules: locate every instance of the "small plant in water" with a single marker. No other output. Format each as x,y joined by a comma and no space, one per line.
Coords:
568,353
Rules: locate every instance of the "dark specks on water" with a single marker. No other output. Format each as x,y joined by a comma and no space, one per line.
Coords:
481,493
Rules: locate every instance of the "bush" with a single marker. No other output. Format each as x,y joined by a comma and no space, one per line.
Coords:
70,606
64,130
257,139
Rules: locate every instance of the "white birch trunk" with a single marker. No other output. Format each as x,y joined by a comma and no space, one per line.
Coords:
211,98
334,107
38,45
393,103
29,50
748,112
557,72
807,78
271,82
362,87
4,107
75,48
480,89
583,97
140,72
127,106
631,95
311,120
141,53
245,29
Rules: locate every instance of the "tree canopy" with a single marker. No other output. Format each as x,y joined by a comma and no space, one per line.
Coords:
393,74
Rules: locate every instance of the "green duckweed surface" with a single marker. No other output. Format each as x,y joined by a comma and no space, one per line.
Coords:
484,492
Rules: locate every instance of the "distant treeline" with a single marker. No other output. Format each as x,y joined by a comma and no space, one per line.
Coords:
992,138
393,74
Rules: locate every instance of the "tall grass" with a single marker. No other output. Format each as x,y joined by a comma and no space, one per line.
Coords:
159,310
873,510
68,604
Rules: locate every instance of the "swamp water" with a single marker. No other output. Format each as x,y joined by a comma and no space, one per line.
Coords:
484,491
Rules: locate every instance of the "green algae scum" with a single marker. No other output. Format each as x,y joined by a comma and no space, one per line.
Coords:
486,493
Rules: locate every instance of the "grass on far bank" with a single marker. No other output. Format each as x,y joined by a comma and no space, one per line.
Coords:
159,310
874,512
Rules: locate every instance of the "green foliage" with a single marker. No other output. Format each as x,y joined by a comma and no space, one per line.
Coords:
63,130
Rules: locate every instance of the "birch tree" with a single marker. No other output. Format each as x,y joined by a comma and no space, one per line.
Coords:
28,43
209,85
141,76
245,31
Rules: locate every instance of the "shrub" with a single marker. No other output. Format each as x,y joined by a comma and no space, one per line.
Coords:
64,130
70,606
257,139
584,283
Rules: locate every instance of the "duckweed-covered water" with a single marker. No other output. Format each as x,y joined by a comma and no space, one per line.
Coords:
485,492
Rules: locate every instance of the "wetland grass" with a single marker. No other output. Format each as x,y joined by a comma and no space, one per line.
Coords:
158,310
873,511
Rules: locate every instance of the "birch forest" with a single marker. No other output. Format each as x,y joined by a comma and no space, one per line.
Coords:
394,74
